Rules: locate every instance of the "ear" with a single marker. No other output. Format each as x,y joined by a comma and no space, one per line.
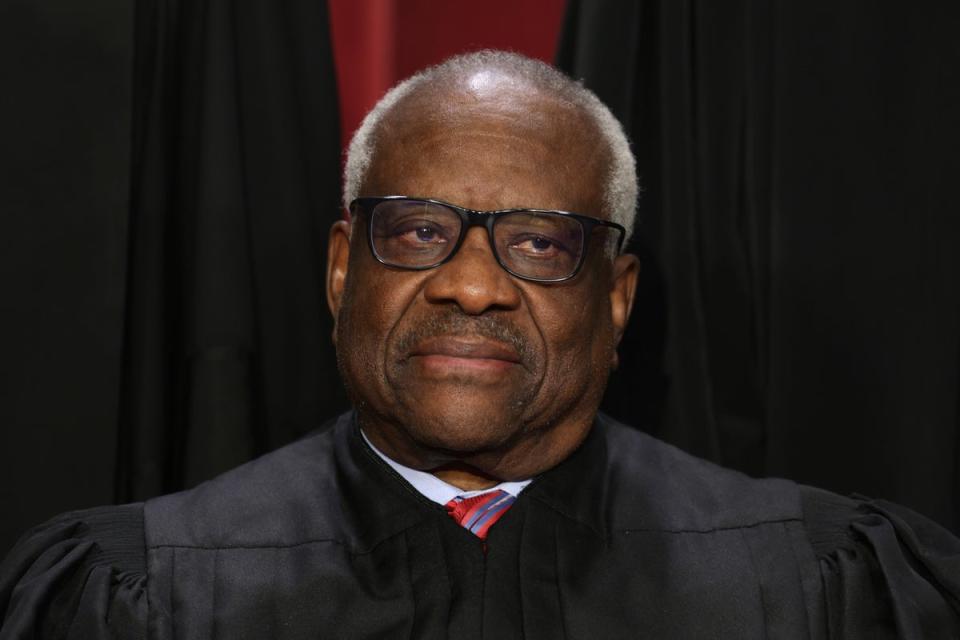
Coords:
338,259
626,270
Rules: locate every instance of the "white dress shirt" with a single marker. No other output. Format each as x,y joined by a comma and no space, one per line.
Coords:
436,489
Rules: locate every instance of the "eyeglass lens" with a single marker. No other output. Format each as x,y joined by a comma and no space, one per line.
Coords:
416,234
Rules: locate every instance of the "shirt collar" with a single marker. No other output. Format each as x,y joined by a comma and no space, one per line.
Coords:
435,489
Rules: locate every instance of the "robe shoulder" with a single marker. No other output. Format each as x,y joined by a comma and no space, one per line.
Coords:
282,498
883,567
659,486
85,574
80,575
883,570
316,490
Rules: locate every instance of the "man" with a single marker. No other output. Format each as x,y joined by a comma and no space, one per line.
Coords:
479,294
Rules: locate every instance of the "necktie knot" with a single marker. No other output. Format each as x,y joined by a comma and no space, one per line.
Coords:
477,514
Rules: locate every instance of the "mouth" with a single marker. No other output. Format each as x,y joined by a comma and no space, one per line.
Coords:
464,355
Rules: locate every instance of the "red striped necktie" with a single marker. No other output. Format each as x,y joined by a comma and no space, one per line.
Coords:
478,513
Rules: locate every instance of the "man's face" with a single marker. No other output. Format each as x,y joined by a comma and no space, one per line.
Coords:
465,361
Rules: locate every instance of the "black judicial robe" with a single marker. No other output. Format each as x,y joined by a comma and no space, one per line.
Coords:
628,538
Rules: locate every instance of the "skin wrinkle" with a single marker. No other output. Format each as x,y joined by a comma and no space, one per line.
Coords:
515,147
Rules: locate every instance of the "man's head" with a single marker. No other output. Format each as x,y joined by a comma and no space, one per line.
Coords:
465,366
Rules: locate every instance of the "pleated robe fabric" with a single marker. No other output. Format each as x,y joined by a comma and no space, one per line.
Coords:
627,538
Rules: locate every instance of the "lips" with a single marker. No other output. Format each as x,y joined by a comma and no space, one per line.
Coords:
467,348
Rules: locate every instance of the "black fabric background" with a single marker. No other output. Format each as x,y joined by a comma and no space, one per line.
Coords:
799,234
65,89
170,169
235,183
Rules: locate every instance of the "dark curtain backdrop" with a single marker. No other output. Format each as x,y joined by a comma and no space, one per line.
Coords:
800,234
65,89
169,172
227,350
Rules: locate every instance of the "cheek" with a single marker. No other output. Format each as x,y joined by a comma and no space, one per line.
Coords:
579,329
373,304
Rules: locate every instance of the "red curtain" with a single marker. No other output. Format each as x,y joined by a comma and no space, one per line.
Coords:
379,42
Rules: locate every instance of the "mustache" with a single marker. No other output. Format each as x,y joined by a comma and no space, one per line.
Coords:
454,322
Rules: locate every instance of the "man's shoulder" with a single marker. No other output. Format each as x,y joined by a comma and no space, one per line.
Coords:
280,498
659,486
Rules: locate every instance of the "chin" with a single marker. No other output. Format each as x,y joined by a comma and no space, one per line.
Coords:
462,417
462,430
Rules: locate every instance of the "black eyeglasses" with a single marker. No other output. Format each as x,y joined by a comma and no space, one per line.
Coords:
533,244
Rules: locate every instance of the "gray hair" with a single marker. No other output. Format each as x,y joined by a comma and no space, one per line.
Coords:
620,192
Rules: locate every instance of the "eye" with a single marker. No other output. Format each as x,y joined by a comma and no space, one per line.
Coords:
419,233
427,234
537,246
540,244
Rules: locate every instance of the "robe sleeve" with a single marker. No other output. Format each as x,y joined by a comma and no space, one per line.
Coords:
886,571
80,575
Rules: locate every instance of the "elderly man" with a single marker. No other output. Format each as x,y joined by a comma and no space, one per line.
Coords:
480,293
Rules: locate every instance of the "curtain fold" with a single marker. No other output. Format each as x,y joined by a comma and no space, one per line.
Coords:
236,181
798,234
65,87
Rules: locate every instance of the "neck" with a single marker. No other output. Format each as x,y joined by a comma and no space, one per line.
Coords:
536,451
464,477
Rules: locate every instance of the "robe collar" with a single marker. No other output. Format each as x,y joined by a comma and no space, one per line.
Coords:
386,503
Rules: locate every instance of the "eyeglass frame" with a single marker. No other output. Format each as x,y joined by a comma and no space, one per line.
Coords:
470,218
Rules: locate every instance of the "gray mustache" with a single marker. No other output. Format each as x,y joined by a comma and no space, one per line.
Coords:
453,322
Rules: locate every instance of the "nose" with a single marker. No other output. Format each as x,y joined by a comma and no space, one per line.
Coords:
473,279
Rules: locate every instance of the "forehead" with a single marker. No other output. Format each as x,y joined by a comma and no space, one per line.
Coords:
494,147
